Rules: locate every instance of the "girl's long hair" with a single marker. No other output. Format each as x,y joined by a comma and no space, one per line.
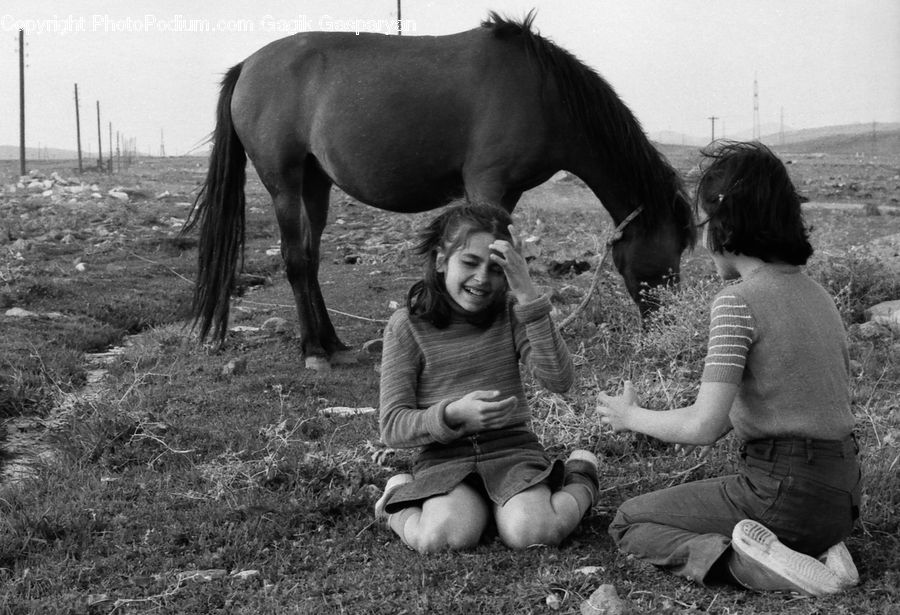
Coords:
448,232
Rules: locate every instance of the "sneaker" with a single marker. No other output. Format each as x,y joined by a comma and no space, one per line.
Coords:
761,562
390,486
840,562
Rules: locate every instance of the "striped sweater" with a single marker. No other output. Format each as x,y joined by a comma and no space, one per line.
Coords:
778,334
423,368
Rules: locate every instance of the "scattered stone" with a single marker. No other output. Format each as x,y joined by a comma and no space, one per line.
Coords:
277,325
235,367
19,313
245,575
553,601
116,194
346,411
531,248
604,601
202,576
869,330
886,313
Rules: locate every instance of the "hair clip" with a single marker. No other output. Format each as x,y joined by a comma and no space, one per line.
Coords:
721,198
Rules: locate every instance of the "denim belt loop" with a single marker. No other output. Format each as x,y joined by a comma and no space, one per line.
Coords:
771,452
809,450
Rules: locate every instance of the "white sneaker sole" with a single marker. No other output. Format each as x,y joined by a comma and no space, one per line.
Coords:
807,574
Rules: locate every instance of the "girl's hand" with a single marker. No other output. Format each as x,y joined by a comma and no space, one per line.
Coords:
509,257
480,411
614,410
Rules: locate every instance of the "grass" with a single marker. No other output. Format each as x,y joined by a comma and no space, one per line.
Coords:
172,486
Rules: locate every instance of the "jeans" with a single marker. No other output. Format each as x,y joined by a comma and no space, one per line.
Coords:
806,491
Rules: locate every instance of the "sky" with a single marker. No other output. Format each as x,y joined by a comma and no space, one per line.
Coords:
155,67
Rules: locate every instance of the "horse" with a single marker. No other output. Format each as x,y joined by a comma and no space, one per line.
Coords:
408,124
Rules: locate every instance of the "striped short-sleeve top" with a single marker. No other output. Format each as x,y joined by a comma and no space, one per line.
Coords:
778,335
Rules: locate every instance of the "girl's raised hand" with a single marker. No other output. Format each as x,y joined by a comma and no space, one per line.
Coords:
480,411
509,257
614,410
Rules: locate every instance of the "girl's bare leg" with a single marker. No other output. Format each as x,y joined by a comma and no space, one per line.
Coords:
452,521
538,517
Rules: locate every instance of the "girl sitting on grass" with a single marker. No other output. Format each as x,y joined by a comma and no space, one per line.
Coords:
450,383
777,372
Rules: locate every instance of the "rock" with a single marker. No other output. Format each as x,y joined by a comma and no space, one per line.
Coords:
116,194
245,575
235,367
886,313
531,248
604,601
869,330
19,313
202,576
276,325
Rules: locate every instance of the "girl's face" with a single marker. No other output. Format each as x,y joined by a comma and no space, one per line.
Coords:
473,280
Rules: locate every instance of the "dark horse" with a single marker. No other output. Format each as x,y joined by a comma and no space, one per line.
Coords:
408,124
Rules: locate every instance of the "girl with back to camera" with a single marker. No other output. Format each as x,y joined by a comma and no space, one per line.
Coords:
777,373
450,383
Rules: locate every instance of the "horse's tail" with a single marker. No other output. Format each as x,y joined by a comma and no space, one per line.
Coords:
219,213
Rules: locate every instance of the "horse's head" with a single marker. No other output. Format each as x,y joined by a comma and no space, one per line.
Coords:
648,253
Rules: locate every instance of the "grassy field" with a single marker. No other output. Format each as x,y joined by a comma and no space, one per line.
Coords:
169,476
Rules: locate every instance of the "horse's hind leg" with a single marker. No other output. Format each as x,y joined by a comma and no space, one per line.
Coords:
302,213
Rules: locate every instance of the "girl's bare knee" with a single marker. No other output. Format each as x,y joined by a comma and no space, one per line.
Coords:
520,531
444,536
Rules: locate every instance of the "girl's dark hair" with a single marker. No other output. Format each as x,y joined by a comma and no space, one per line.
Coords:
751,204
448,231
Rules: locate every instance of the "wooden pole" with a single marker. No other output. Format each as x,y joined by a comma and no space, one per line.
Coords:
110,156
99,141
712,120
78,129
22,170
399,20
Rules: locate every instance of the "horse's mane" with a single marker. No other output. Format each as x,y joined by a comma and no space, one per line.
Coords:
614,132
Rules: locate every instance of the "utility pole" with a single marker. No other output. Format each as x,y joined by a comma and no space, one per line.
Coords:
22,170
399,20
110,151
162,144
781,133
99,141
712,119
78,129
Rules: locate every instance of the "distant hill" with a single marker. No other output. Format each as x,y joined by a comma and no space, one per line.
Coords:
884,141
880,139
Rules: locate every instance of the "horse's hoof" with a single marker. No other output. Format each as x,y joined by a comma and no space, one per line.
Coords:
318,364
344,357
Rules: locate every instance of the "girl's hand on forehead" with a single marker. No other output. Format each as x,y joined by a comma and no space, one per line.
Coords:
507,254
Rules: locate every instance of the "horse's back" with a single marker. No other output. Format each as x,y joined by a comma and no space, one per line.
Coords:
392,120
